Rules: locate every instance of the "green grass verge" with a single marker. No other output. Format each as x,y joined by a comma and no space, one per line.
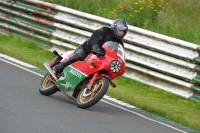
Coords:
144,97
24,50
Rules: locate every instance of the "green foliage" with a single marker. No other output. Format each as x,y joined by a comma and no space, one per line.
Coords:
138,12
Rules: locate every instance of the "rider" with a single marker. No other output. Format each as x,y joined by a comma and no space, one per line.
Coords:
94,44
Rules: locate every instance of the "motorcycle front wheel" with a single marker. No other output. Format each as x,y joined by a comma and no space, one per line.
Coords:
47,87
88,98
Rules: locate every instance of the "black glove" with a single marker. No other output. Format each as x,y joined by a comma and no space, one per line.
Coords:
97,50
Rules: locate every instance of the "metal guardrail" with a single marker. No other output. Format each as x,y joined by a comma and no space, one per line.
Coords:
154,59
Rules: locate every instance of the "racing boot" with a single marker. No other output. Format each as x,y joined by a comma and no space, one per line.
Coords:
59,68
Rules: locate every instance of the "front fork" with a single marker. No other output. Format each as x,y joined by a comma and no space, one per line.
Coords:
49,67
95,77
92,80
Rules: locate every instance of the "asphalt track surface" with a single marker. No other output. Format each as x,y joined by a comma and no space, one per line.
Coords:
24,110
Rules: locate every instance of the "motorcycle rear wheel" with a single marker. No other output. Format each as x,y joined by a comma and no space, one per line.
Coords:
47,87
88,98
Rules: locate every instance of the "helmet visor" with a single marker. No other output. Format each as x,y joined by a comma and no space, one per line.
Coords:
121,27
120,32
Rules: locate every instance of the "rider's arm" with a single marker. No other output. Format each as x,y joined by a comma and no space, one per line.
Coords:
98,35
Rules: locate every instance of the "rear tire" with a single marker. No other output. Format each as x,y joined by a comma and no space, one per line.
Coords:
88,98
47,87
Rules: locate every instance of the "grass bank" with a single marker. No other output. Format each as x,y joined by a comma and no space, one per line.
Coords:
147,98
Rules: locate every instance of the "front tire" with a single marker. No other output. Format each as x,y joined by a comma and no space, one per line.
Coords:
88,98
47,87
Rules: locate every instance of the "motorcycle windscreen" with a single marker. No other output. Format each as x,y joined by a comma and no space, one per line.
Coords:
69,79
116,48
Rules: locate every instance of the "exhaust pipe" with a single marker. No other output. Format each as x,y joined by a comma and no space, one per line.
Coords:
46,65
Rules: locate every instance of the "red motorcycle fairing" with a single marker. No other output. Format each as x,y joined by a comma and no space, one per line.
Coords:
93,63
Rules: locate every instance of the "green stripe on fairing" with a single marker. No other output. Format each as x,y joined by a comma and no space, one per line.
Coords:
164,120
69,79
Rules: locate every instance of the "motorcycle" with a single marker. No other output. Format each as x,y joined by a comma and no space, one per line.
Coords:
85,81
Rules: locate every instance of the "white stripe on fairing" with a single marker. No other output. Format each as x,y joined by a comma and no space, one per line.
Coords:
106,97
78,71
